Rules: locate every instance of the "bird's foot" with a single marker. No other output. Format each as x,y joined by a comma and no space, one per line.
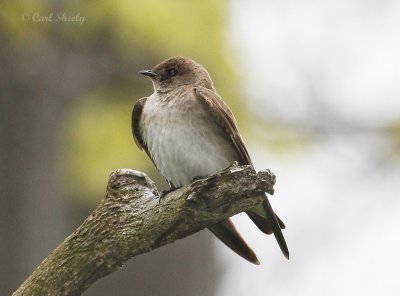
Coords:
196,179
165,192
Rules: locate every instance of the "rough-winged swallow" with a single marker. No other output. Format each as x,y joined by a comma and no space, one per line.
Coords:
189,132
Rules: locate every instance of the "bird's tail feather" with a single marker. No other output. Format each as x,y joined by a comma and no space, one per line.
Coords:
228,234
263,223
268,222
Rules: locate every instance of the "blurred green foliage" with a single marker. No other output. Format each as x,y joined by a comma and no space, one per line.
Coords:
15,15
96,137
97,140
128,36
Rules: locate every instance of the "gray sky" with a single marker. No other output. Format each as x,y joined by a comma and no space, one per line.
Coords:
331,70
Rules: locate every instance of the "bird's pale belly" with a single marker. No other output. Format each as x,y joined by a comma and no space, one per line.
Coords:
183,151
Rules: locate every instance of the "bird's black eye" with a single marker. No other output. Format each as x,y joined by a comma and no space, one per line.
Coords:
172,72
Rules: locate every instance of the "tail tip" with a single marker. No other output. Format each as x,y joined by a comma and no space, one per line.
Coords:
252,258
286,254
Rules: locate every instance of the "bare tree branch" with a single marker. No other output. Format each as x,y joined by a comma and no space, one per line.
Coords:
131,220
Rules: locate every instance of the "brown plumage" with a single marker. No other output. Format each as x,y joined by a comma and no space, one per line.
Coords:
189,132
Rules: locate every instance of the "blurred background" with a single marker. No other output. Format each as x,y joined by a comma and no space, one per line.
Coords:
315,87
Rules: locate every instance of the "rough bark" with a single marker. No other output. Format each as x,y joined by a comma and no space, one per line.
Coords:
132,220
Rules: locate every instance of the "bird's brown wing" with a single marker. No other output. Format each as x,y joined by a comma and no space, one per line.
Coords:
267,222
224,117
136,129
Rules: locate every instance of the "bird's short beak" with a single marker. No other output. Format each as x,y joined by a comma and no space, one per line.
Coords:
149,73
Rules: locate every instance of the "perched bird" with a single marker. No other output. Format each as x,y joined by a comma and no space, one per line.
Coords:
189,132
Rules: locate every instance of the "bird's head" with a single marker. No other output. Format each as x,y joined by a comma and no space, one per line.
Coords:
178,71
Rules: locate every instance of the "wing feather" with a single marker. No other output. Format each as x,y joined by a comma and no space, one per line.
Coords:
136,129
224,117
268,222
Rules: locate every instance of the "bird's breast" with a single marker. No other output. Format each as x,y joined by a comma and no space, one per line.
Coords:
184,141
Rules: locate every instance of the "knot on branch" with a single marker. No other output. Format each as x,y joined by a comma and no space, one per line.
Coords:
267,181
129,184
